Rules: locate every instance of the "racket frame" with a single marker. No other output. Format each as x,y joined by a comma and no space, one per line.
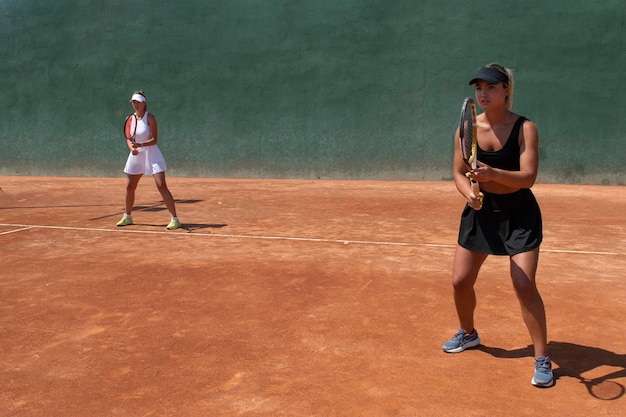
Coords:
133,126
470,161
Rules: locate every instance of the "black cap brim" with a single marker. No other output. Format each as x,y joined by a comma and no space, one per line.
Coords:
491,75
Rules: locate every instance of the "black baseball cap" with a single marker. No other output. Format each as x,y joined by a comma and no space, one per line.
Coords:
491,75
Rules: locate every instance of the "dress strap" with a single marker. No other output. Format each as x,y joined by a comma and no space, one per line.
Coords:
516,127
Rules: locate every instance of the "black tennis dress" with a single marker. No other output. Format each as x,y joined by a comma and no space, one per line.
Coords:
507,224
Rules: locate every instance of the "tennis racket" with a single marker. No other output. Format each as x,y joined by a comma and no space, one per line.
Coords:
468,140
130,127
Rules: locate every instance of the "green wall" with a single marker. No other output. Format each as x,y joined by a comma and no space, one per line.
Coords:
302,88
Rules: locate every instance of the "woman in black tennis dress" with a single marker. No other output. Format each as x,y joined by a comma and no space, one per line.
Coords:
505,218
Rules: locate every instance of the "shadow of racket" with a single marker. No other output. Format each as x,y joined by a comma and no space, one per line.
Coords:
603,388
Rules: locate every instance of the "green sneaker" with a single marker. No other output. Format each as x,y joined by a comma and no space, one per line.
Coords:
127,220
174,224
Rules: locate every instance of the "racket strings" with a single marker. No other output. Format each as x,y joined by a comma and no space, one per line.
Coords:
130,127
468,148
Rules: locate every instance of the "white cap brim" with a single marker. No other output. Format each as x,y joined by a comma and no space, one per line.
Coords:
138,97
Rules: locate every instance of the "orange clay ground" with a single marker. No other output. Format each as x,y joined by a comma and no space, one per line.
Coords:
295,298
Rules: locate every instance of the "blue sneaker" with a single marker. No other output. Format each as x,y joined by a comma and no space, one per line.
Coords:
461,341
543,377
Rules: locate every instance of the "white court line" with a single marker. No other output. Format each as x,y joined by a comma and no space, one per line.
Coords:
17,230
285,238
582,252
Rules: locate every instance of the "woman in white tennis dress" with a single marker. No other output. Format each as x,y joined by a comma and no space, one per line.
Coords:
145,158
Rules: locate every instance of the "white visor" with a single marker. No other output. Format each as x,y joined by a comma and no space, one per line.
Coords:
138,97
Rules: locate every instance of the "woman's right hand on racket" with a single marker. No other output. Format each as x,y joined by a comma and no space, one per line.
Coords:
132,145
473,200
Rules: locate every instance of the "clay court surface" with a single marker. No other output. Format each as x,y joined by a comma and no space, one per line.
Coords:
295,298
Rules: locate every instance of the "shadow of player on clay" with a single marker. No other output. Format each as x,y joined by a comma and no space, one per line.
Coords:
575,361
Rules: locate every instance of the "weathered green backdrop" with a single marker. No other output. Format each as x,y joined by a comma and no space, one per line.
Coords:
305,88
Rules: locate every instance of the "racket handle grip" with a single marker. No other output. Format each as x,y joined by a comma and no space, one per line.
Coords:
475,189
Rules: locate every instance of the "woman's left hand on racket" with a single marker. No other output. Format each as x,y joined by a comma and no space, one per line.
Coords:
482,173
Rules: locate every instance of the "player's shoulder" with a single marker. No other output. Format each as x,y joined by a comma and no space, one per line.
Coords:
525,121
528,123
528,130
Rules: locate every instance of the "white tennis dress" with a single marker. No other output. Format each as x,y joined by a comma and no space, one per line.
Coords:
149,160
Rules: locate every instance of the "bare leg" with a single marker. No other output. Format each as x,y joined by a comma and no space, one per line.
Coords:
159,180
131,186
465,269
523,270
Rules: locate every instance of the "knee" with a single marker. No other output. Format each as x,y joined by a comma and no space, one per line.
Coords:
162,188
526,290
462,283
